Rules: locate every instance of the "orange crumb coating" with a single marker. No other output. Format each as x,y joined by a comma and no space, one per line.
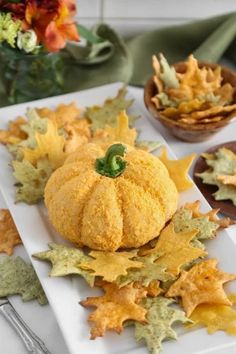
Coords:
106,213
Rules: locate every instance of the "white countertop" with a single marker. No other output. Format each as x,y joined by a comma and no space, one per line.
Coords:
40,318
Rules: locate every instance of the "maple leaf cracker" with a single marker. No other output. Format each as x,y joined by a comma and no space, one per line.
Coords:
114,308
65,261
19,277
160,318
9,236
175,249
211,215
203,283
178,170
215,317
110,265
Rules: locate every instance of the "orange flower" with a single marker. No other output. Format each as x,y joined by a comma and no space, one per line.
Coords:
52,22
60,30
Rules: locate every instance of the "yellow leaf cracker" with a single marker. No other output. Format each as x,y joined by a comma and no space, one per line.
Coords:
228,179
115,307
110,265
14,134
211,215
178,170
9,236
156,78
122,133
202,284
213,111
226,93
215,317
175,249
50,145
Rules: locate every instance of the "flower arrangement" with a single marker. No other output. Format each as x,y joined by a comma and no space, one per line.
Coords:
32,33
32,26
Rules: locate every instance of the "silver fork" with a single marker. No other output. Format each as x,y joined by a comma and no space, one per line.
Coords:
32,342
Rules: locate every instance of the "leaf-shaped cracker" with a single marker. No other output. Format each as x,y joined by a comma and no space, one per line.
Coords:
31,180
65,261
203,283
115,307
160,319
183,222
175,249
228,179
223,163
50,145
167,73
14,134
100,116
178,170
9,236
110,265
215,317
150,271
121,132
18,277
63,114
211,215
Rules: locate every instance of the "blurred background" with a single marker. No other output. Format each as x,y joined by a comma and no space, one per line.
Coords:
130,17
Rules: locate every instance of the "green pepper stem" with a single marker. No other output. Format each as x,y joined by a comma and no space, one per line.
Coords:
111,165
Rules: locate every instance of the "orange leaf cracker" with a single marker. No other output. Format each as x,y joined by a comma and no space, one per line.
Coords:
110,265
212,214
178,170
115,307
213,111
228,179
63,114
226,93
153,288
14,134
175,249
9,236
215,317
203,283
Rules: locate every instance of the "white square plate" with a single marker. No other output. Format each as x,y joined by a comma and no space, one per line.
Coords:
65,293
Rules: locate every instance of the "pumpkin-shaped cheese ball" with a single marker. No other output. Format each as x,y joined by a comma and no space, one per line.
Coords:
105,200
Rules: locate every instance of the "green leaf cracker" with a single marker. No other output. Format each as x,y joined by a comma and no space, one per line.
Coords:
222,162
31,180
160,318
65,261
18,277
183,222
150,271
100,116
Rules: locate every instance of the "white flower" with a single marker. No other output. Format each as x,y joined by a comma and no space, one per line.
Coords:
27,41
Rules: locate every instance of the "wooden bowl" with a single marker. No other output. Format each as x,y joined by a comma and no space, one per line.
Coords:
190,132
226,206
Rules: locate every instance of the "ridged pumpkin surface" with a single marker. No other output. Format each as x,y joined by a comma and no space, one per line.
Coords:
108,213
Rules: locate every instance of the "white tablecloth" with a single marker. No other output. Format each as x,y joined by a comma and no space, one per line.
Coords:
41,318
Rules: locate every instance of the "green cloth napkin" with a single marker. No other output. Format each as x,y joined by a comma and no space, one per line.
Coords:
109,58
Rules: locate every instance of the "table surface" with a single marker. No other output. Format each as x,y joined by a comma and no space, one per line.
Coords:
41,318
